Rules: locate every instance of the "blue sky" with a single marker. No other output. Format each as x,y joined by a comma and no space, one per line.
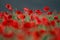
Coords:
32,4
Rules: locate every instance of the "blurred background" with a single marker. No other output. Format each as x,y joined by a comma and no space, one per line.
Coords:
32,4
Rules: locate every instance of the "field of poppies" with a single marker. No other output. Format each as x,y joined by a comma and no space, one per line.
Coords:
29,24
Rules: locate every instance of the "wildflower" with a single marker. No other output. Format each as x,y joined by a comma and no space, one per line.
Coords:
56,17
30,12
38,21
9,16
38,12
32,24
9,7
5,23
52,32
18,12
14,24
55,31
49,13
8,35
42,31
53,23
44,20
26,9
20,37
46,8
58,21
27,25
21,16
36,34
58,37
5,15
1,28
31,17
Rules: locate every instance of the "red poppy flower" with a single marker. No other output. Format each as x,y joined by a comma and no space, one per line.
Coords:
53,23
56,17
55,31
21,16
32,24
49,13
26,9
44,20
38,21
36,34
52,32
30,12
58,37
31,17
1,28
38,12
27,25
46,8
9,16
47,24
5,15
58,21
5,23
9,7
42,31
14,24
20,37
18,12
8,35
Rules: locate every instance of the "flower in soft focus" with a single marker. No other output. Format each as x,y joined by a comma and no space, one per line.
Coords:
30,12
53,23
29,24
18,12
55,17
36,34
5,22
31,17
44,20
49,13
58,21
20,37
46,8
8,35
42,31
21,16
9,7
9,16
38,12
26,9
38,21
14,24
1,28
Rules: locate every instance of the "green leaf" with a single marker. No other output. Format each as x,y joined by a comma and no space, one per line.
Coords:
50,17
13,17
27,18
58,16
1,20
45,37
1,38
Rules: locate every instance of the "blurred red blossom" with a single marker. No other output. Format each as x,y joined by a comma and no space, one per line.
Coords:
9,7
